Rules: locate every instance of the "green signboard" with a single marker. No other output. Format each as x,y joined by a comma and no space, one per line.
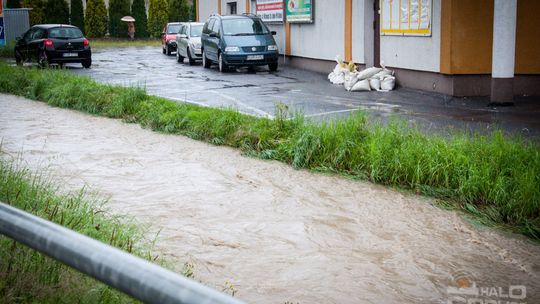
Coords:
299,11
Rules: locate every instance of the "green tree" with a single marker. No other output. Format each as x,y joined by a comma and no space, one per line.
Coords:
77,14
138,11
95,18
193,11
117,10
158,14
13,4
57,11
178,10
37,14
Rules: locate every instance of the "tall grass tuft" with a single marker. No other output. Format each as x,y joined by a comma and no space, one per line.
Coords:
27,276
493,177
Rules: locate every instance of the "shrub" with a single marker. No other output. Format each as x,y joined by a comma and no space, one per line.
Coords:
37,14
95,19
117,10
158,14
57,11
77,14
138,11
13,4
178,10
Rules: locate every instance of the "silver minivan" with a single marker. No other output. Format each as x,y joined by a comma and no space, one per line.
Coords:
188,41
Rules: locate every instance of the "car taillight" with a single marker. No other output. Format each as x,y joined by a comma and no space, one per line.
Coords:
86,42
48,42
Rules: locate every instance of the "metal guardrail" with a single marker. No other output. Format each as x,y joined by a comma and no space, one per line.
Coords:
134,276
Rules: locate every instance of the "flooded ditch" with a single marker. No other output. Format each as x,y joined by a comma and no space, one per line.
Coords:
276,234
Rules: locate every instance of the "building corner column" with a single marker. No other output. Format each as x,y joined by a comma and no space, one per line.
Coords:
504,51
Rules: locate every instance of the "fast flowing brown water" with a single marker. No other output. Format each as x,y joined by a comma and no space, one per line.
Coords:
275,233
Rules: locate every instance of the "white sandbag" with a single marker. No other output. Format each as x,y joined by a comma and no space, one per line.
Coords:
362,85
388,83
368,73
375,83
383,73
350,80
336,78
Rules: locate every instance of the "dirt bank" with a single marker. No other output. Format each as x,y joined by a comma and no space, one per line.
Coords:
275,233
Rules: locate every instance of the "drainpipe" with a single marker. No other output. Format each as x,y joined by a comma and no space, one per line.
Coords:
504,51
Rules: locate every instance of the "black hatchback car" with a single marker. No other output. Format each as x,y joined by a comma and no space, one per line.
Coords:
53,43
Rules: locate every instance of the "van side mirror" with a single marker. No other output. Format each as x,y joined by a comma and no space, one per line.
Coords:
162,33
273,33
214,35
182,36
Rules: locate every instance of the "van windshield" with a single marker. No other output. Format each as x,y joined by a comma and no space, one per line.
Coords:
244,27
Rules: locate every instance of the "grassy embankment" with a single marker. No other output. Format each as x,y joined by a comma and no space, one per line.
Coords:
100,43
30,277
492,177
96,43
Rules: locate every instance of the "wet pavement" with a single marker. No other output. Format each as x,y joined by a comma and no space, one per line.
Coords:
272,233
258,92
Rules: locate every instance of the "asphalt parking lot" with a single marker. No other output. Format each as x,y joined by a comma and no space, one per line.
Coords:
257,93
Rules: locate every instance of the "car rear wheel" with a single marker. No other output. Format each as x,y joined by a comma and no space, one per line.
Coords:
191,60
273,66
205,61
18,58
163,50
223,67
87,63
179,57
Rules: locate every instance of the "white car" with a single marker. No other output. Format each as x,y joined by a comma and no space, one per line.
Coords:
188,42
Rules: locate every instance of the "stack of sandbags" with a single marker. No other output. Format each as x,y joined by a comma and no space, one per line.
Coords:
340,72
379,79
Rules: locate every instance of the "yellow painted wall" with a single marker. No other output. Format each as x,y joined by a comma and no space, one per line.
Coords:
467,37
528,37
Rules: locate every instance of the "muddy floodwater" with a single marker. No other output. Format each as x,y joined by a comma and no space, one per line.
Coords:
275,233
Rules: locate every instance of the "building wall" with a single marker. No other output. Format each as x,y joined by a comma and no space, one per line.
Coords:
324,39
467,37
527,37
416,53
207,8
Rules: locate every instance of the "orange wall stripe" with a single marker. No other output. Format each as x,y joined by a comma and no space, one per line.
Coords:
248,6
197,10
219,7
287,38
348,30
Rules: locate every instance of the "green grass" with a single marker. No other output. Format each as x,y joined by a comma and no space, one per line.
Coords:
492,177
99,43
7,51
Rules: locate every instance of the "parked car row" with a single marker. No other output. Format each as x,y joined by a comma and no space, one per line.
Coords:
53,43
228,41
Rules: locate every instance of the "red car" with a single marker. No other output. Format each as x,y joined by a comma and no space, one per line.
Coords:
168,37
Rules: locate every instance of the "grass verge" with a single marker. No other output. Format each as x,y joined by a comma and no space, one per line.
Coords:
492,177
27,276
100,43
7,51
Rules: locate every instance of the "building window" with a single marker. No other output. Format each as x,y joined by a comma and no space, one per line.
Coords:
231,8
406,17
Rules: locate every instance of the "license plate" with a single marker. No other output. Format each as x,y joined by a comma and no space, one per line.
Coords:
71,54
255,57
